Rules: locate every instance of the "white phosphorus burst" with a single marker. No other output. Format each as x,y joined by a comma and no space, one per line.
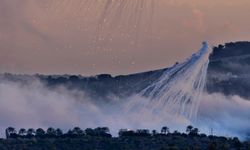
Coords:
179,90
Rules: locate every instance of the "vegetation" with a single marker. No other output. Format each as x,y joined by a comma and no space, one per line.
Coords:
101,139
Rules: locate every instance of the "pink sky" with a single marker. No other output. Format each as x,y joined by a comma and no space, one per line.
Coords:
124,36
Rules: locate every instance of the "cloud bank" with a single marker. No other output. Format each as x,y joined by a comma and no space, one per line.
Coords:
34,105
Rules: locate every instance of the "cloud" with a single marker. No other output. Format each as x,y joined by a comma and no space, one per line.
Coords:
35,105
226,115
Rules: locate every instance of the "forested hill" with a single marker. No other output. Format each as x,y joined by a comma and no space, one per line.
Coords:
229,69
228,72
100,139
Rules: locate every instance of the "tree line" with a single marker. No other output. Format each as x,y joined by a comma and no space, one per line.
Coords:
11,132
190,130
100,138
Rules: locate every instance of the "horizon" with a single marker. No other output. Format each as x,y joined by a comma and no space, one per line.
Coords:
115,75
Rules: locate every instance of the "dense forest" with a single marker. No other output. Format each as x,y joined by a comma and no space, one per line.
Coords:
101,139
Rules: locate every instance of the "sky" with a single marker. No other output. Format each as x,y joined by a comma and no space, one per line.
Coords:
91,37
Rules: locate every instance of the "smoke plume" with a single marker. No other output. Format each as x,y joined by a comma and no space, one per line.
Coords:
34,105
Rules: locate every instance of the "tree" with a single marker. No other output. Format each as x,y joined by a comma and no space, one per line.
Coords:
189,129
77,131
40,132
154,132
51,132
22,132
30,132
9,131
176,132
126,133
101,130
164,130
74,78
221,46
69,133
105,130
142,132
194,131
237,142
59,132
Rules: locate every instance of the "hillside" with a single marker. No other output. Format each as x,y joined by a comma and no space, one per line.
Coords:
228,73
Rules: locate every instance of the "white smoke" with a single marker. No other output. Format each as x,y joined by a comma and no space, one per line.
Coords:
34,105
226,115
178,91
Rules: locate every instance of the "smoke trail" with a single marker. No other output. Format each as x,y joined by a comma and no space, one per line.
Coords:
178,91
131,19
